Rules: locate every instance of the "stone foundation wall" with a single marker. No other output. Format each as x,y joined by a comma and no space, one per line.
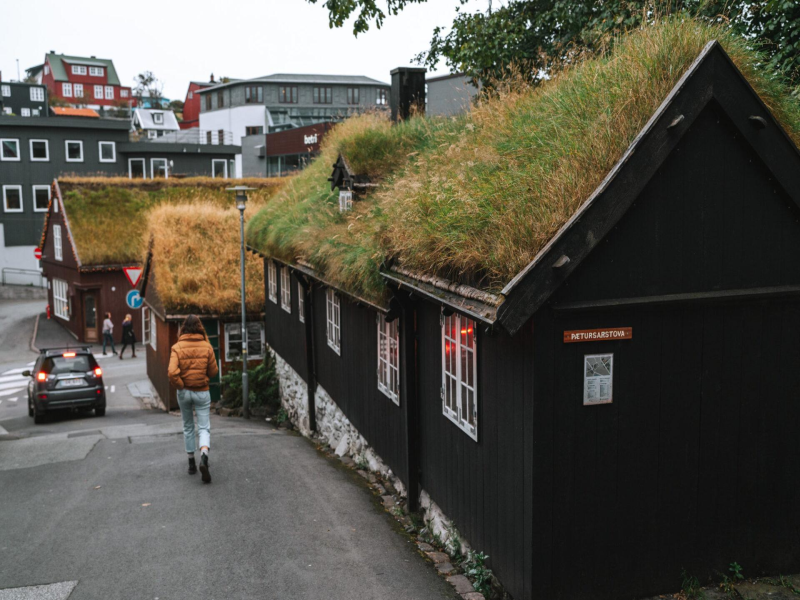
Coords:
294,394
441,526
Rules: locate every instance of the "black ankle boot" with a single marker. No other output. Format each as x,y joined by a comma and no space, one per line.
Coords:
192,466
204,468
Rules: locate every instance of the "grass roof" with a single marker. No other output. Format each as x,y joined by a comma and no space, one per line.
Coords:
475,198
108,216
196,262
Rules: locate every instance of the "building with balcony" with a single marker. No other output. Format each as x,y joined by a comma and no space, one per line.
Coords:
285,101
77,80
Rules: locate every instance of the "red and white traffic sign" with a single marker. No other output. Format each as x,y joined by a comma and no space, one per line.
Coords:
37,253
134,274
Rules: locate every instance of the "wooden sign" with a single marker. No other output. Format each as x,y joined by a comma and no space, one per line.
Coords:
598,335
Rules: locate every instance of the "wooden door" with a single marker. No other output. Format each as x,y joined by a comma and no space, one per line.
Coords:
90,325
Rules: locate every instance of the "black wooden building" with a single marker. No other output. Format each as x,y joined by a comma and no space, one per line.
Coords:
630,408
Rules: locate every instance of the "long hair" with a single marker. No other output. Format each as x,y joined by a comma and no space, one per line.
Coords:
192,324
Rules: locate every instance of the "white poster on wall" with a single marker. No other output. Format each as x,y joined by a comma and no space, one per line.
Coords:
598,378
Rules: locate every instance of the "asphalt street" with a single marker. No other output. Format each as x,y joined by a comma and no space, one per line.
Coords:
102,507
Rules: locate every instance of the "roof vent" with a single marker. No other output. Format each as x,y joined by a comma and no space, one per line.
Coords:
93,56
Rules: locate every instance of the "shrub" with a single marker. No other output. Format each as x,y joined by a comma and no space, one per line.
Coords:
263,384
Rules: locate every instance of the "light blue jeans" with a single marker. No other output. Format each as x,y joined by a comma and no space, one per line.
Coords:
201,402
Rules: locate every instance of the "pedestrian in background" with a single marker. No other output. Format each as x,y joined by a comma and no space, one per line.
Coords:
128,337
108,333
191,364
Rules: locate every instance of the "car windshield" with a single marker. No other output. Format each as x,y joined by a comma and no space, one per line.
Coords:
68,364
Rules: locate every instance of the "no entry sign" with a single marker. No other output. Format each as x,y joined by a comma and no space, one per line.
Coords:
37,253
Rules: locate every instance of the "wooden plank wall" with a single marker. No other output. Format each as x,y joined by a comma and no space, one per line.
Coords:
485,487
158,361
352,380
284,332
693,466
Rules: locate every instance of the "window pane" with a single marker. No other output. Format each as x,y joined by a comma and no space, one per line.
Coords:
73,150
10,149
13,199
39,149
41,198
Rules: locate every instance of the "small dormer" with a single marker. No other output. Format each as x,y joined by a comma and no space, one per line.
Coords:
158,118
348,183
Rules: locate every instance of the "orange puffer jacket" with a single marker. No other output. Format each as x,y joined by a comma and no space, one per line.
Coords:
192,363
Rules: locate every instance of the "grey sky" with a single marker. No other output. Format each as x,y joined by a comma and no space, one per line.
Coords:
187,40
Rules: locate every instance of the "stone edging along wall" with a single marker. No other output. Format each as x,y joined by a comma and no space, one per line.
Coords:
335,430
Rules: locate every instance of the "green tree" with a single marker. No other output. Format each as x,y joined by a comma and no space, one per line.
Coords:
542,33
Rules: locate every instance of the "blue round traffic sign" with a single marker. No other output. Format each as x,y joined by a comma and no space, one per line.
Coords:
133,299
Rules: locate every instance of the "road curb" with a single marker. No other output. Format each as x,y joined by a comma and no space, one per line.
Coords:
35,331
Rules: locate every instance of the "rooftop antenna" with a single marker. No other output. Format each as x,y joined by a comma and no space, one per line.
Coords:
18,77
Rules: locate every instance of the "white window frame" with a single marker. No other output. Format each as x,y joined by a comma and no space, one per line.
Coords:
66,90
7,110
24,112
113,158
237,328
78,70
96,71
272,281
152,134
149,327
389,357
123,93
345,200
66,150
109,92
46,148
77,89
130,167
333,312
35,112
5,199
3,156
214,162
40,187
37,94
153,171
98,92
61,299
5,90
58,251
158,118
301,303
455,385
47,69
286,290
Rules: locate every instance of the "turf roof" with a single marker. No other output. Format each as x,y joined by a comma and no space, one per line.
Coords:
108,216
475,198
194,254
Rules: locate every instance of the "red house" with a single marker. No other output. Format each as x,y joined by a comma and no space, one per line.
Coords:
77,80
191,105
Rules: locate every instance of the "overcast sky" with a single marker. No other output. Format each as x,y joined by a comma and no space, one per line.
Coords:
190,39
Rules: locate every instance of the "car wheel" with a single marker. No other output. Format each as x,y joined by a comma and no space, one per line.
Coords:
38,417
100,411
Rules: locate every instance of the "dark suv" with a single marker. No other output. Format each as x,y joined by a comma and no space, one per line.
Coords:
65,378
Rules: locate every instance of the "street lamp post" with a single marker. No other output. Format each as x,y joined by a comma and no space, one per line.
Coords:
241,203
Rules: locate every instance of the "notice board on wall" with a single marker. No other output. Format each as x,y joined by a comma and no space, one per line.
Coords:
598,378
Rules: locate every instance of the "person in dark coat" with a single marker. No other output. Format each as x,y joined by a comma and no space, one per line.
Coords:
128,337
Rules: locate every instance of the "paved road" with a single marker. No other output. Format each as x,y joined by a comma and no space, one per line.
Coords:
102,507
16,328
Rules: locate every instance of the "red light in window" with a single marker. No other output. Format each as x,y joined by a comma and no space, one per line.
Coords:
41,376
98,372
466,331
68,355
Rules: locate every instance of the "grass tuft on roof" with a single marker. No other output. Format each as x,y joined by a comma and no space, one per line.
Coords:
475,198
108,217
196,262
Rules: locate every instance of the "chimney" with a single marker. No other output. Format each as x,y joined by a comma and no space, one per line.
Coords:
93,56
408,89
212,78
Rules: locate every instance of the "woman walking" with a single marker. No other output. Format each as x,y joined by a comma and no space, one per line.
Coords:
191,364
128,337
108,334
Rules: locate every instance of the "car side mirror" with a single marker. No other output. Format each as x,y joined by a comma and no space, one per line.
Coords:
26,373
